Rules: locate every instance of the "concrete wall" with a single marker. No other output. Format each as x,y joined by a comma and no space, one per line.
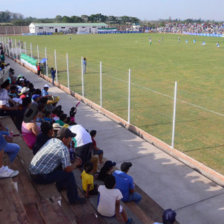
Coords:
11,30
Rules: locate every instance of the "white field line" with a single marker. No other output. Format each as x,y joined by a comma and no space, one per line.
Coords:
170,97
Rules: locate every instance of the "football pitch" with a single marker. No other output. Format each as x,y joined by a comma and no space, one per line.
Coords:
198,70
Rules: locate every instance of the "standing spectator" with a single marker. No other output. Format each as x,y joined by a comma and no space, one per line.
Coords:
125,184
38,69
53,71
169,217
52,164
84,64
109,200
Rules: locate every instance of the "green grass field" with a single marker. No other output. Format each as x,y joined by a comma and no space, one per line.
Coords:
198,69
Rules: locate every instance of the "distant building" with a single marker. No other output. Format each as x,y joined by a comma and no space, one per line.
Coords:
79,28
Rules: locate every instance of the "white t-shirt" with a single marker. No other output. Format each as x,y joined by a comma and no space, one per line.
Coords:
82,136
4,97
107,200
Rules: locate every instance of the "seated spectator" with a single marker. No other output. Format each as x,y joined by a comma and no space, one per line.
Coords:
5,108
83,142
29,129
62,119
46,134
96,150
125,184
56,112
88,185
56,128
47,117
52,164
12,150
109,200
169,217
13,92
106,170
44,92
72,114
35,98
24,92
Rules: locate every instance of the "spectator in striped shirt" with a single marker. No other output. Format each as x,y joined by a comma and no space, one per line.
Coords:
52,164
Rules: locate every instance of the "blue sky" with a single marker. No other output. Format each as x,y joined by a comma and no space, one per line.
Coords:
143,9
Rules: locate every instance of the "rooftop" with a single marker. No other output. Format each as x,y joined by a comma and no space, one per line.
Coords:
69,24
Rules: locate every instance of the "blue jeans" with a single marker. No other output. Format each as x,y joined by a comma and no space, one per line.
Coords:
12,150
64,180
136,197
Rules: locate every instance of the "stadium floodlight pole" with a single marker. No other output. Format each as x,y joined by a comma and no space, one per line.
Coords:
31,50
101,85
174,114
129,96
38,54
67,70
45,51
55,63
82,73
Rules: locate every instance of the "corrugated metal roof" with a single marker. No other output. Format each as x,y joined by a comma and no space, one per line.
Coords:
69,24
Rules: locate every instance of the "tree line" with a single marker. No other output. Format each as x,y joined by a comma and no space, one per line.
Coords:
18,19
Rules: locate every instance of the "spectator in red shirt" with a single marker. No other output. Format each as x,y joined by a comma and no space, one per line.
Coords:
96,150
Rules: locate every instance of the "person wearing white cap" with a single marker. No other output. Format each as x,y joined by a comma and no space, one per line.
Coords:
44,91
24,92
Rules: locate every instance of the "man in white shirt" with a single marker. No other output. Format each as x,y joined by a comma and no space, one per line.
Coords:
83,142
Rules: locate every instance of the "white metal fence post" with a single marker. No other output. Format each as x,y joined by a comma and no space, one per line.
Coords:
82,76
45,52
16,48
31,50
174,114
38,54
67,71
101,85
25,47
56,67
20,48
129,96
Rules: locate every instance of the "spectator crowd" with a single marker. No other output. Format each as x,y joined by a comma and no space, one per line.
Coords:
59,146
